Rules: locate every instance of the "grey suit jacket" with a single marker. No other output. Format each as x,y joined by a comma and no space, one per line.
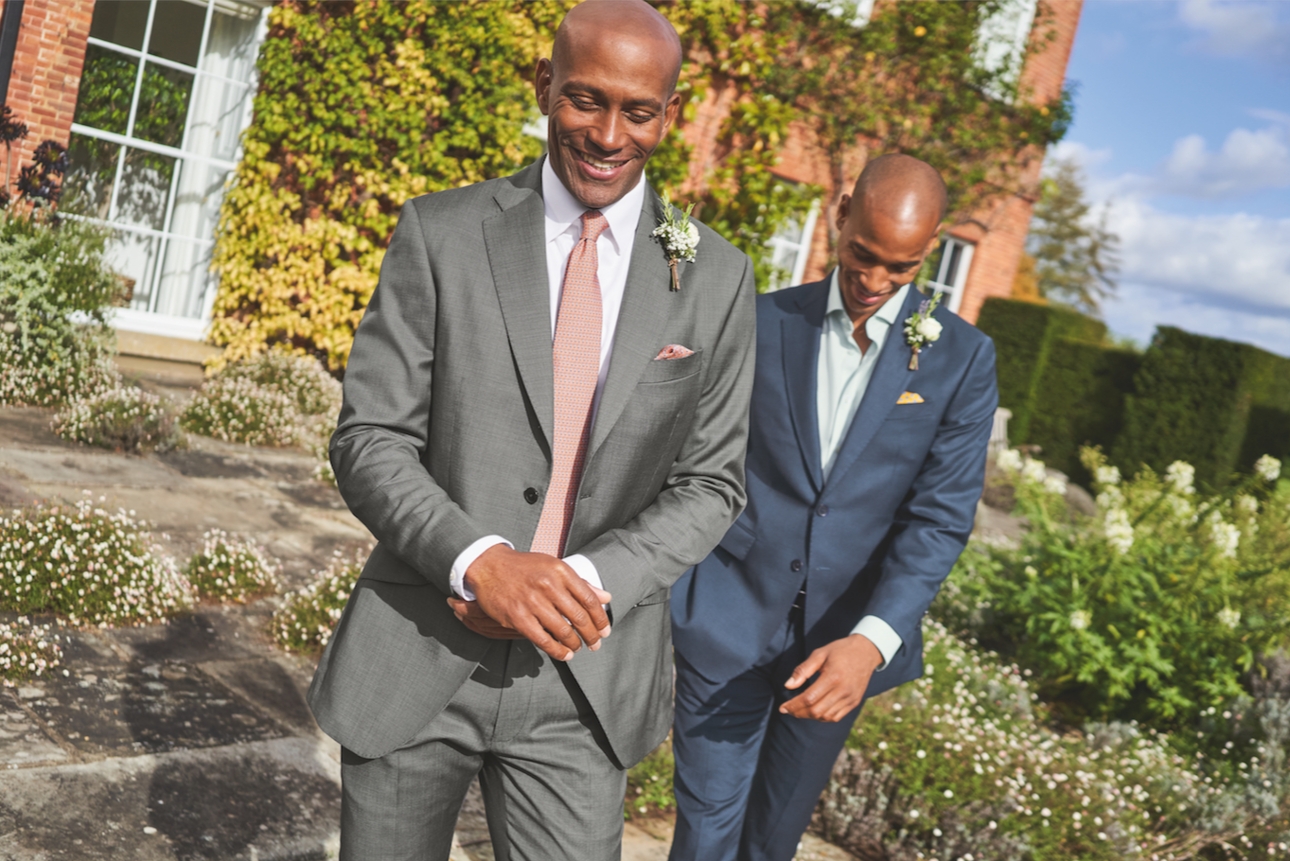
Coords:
447,421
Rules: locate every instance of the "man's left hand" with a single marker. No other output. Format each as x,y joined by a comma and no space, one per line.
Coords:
470,615
845,667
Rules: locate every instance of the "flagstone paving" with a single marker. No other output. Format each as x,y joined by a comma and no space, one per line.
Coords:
191,740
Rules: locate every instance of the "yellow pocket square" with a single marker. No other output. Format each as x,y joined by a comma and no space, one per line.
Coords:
909,398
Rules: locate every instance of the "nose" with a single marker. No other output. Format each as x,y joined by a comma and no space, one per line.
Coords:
608,132
875,279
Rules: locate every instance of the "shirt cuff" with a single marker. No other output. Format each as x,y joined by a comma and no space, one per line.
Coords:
585,568
466,558
882,636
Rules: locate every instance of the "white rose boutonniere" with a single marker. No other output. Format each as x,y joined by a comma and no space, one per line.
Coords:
678,236
921,329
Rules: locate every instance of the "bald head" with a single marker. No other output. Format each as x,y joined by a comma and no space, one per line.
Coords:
634,21
903,189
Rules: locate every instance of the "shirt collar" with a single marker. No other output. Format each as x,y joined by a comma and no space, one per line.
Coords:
563,209
886,315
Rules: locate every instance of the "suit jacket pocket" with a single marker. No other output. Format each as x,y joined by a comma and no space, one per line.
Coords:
667,370
739,539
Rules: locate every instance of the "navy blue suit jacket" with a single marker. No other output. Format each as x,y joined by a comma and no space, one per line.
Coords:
880,536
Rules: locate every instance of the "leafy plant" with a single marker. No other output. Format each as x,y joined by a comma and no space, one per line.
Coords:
649,784
307,617
124,418
90,567
27,651
231,569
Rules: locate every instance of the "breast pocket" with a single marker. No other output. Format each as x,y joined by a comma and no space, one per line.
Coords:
670,370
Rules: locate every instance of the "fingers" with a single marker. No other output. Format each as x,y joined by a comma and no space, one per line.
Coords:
473,617
806,669
581,607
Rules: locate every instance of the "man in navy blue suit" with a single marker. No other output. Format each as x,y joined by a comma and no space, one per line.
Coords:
863,477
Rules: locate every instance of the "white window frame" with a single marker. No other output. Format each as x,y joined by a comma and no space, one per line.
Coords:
952,270
146,320
800,248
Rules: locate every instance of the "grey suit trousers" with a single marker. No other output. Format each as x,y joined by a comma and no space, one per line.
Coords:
552,788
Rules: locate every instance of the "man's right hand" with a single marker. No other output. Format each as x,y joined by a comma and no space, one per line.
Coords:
540,597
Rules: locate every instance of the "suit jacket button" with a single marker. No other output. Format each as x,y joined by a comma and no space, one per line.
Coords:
822,511
530,495
796,565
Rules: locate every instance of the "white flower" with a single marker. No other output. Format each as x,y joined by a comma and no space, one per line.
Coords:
929,329
1247,505
1229,617
1080,621
1267,468
1034,471
1226,537
1055,484
1118,530
1181,475
1009,460
1107,474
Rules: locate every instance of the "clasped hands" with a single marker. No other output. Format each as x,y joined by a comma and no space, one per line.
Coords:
534,597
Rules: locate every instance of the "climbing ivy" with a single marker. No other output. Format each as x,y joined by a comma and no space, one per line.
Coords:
364,104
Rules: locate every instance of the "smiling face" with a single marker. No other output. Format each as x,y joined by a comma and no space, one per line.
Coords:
880,251
608,94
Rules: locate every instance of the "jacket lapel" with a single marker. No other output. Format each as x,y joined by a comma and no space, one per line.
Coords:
800,346
647,299
516,243
890,378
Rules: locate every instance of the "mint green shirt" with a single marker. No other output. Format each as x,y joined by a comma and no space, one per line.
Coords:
843,375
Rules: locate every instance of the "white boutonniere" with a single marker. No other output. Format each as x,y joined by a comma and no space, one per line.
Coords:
921,330
678,236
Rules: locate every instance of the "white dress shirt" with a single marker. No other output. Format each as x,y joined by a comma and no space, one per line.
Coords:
613,259
843,375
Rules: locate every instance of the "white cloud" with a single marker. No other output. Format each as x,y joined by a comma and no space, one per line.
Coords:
1256,30
1139,308
1248,161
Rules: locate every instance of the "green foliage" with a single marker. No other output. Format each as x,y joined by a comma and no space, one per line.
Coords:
1079,401
50,270
649,784
1153,610
231,569
272,399
27,651
362,106
88,566
307,617
124,418
1075,257
1210,402
1024,336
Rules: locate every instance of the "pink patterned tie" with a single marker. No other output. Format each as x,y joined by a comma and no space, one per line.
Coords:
577,367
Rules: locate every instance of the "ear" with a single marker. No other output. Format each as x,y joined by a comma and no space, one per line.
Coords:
844,209
670,111
542,85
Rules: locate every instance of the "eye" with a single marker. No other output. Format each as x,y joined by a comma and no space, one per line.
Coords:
640,118
581,103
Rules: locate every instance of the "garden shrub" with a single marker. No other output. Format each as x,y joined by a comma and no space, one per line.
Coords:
307,617
1155,609
88,566
231,569
52,275
272,399
123,418
27,651
1206,401
649,784
960,764
1025,335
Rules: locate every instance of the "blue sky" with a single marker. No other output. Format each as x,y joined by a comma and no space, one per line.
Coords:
1182,123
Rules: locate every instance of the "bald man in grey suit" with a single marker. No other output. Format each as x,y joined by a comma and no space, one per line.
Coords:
461,651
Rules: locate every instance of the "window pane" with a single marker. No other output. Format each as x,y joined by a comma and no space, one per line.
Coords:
231,46
145,187
177,30
184,277
198,193
134,258
220,112
88,189
120,21
107,84
163,105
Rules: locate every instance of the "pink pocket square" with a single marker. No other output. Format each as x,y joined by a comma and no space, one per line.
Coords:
673,351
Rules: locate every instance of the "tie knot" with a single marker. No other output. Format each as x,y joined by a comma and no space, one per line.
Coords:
593,224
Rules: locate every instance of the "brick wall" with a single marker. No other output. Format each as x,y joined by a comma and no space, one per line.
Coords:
47,71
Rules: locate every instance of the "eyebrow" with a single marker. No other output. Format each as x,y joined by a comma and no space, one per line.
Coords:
860,248
597,93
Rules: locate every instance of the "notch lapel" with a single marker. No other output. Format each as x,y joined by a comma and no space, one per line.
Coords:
800,349
516,243
890,378
647,301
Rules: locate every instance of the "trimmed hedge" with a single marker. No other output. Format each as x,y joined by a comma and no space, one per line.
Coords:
1216,404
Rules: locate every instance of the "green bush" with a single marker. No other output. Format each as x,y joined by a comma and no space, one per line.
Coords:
1213,403
1155,609
1024,335
307,617
54,292
88,566
230,569
649,784
124,418
27,651
273,399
